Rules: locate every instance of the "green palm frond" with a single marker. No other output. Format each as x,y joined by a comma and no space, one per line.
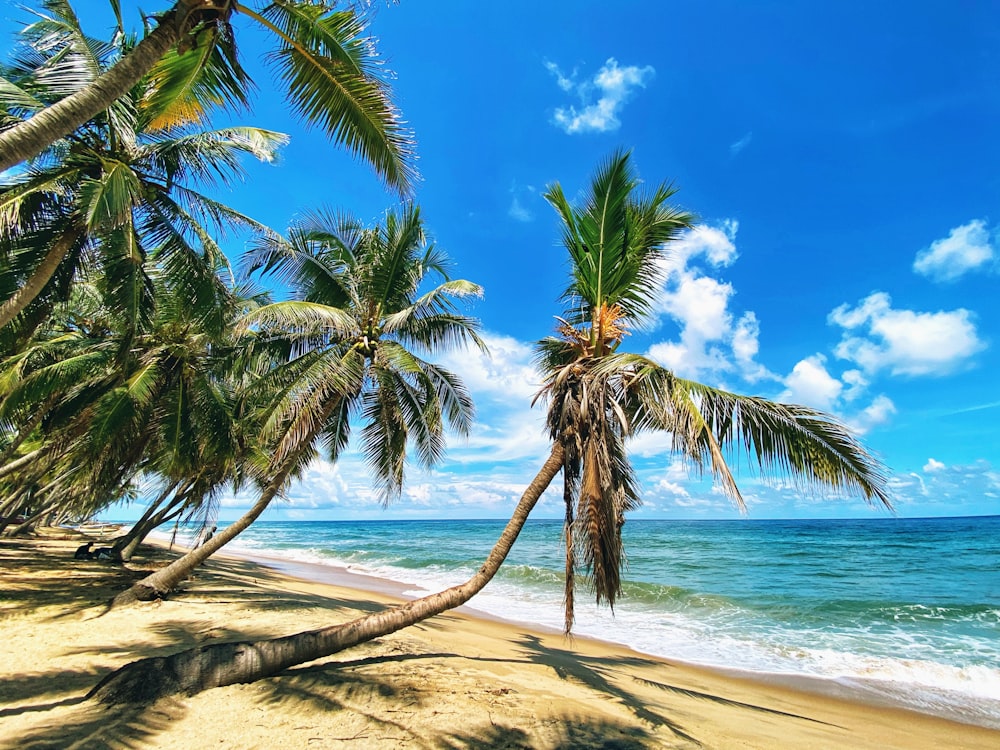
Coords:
711,426
109,199
384,435
615,238
453,397
316,256
212,157
317,395
309,317
330,71
126,287
183,88
199,214
34,197
15,100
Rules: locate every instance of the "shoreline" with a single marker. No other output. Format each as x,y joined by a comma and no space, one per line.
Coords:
457,680
843,688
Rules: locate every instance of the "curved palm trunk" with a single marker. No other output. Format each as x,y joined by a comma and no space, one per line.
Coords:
34,285
30,524
163,581
133,540
34,135
125,546
20,463
221,664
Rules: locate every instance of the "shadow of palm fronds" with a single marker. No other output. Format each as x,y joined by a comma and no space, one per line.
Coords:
93,727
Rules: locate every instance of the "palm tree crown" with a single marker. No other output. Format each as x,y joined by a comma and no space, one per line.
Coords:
359,319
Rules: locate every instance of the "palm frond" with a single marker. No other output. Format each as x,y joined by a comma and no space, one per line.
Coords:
109,199
780,440
330,71
309,317
183,88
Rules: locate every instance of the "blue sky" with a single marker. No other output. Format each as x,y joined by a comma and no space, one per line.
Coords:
843,161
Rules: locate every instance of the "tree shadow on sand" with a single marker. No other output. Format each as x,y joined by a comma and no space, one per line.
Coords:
606,675
343,686
571,733
94,727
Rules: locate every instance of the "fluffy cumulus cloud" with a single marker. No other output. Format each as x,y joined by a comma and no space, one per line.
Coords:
811,383
712,339
503,384
933,465
905,342
602,97
878,412
506,373
966,248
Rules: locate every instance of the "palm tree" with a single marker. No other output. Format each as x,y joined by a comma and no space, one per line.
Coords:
330,69
117,187
598,398
358,315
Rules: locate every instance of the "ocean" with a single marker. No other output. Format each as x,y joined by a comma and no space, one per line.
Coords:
902,612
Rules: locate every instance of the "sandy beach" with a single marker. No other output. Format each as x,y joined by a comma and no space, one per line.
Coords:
455,681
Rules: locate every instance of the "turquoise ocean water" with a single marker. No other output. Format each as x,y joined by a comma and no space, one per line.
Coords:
902,611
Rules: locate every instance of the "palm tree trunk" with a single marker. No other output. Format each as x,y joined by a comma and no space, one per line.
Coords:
163,581
28,427
34,135
29,524
128,548
153,517
205,667
23,296
19,463
10,506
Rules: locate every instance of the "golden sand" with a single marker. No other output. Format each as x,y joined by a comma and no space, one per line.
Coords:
452,682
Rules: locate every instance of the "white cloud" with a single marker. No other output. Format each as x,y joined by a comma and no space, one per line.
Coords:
711,340
701,302
903,341
878,412
810,384
518,211
505,374
972,489
564,82
742,143
965,249
602,97
715,244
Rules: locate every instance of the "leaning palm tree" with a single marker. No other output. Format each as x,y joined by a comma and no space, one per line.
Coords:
359,317
330,69
598,398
